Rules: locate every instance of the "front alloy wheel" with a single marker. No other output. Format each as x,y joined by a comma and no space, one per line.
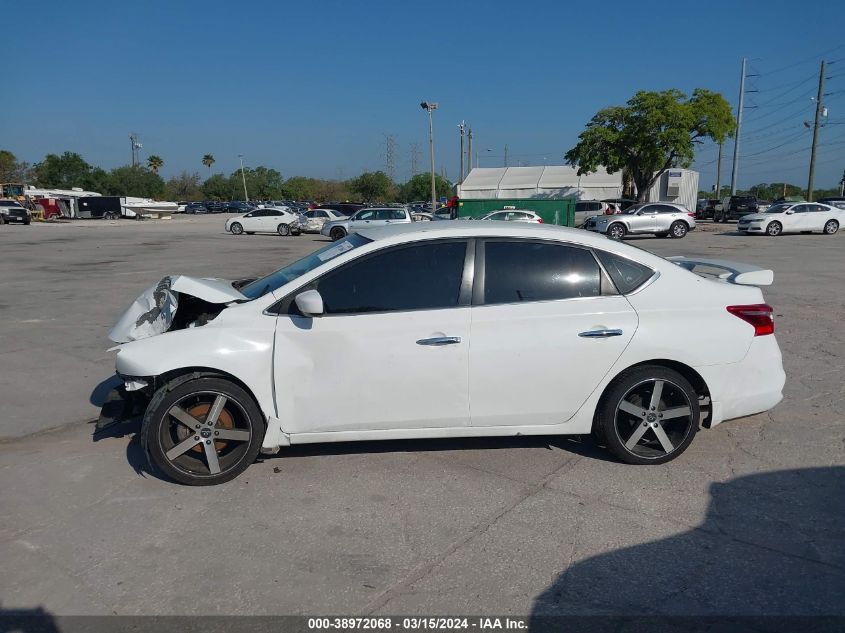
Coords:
774,228
236,228
204,431
337,233
616,231
649,415
283,229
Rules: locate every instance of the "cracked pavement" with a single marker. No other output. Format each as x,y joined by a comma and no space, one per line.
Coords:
748,521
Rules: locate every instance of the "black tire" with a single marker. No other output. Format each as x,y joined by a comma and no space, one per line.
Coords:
636,438
110,216
162,434
337,233
678,229
236,228
283,229
830,227
27,222
774,229
616,231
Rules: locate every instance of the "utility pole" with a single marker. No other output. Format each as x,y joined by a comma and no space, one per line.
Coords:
431,107
738,126
719,174
506,155
819,110
390,156
842,185
243,178
469,150
415,158
461,127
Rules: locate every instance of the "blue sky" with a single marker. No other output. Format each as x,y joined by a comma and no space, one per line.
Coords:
311,88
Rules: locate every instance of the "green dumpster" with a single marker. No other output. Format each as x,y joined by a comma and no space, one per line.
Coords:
560,211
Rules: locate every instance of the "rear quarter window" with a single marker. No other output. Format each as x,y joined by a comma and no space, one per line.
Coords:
626,274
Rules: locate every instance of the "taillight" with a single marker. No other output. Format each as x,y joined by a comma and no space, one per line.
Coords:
539,220
691,214
759,315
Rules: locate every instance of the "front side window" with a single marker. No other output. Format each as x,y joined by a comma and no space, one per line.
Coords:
517,271
801,208
365,215
424,276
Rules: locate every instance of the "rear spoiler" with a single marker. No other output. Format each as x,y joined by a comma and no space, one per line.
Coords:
731,272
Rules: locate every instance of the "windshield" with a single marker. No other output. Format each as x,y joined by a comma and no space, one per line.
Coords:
276,280
778,208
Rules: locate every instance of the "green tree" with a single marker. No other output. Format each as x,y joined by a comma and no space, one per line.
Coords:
185,186
155,162
262,183
62,172
301,188
135,181
371,186
419,188
217,187
208,161
651,133
12,170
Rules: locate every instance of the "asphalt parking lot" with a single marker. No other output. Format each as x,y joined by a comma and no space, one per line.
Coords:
748,521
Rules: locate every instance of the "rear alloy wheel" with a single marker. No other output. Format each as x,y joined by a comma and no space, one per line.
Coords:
337,233
616,231
205,431
831,227
774,228
649,415
237,228
678,229
283,229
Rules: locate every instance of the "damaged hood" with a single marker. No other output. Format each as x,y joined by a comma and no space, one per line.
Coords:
152,312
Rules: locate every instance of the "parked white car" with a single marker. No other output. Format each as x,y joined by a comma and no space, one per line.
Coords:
664,219
514,328
279,220
794,217
513,215
316,218
370,217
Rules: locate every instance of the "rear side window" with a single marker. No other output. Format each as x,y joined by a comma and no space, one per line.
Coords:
627,275
425,276
516,271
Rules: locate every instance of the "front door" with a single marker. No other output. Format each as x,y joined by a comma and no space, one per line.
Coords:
545,332
644,221
798,220
391,350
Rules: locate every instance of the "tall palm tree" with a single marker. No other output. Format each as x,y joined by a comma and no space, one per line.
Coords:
155,162
208,161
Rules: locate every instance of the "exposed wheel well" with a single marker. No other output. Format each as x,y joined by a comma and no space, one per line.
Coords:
176,377
698,383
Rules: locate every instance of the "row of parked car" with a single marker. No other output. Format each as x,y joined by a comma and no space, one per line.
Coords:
735,207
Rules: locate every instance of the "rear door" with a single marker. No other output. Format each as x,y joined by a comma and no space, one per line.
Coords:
817,216
545,331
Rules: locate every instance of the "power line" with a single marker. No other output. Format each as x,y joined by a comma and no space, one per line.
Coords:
813,58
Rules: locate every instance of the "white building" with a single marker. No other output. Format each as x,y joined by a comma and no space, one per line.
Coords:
676,185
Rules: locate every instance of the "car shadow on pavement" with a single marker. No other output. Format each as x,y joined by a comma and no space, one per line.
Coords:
37,620
771,544
579,445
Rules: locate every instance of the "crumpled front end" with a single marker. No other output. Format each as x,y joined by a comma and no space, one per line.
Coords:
157,309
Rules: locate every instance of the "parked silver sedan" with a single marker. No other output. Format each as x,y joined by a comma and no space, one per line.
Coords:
663,219
513,215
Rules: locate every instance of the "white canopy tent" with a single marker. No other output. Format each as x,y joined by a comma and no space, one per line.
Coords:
552,182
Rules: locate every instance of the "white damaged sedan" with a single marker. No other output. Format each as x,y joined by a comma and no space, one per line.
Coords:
514,328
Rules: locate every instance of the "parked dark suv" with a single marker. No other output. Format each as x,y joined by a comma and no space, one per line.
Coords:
735,208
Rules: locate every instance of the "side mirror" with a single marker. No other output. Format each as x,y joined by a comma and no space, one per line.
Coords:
789,212
310,303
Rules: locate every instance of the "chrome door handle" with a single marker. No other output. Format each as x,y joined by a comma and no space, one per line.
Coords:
437,341
600,333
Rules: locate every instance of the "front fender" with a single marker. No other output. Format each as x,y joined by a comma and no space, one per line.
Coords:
245,352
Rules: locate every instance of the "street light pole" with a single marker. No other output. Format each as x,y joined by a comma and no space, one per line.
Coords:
461,127
243,178
430,107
